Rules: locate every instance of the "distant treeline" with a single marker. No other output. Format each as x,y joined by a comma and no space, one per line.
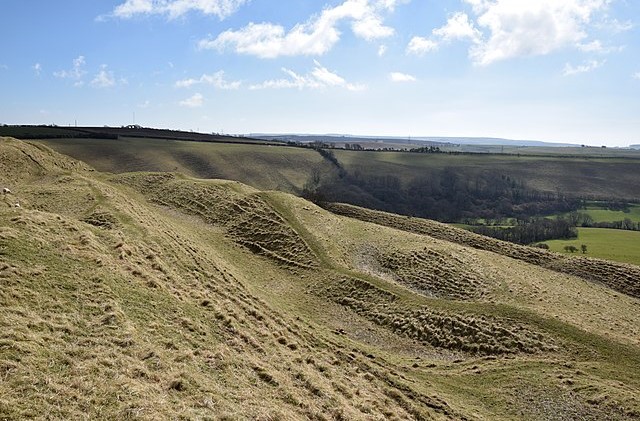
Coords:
581,219
532,231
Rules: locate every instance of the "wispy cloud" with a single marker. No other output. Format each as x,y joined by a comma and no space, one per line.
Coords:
319,77
76,73
596,46
588,66
216,80
382,50
615,26
194,101
315,37
401,77
636,75
176,8
37,69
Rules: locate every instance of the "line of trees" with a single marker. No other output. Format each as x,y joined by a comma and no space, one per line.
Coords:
581,219
536,230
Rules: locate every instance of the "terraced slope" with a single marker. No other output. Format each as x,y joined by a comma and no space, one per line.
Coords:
159,296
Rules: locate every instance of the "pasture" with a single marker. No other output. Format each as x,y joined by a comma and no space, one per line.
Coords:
617,245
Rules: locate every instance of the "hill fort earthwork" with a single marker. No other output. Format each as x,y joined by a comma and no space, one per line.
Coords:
159,278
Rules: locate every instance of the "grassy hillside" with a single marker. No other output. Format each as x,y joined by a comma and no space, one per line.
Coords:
582,177
158,295
287,169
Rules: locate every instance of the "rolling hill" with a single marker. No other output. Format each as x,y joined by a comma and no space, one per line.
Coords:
288,169
156,295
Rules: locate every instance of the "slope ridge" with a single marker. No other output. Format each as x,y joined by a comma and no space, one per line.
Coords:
621,277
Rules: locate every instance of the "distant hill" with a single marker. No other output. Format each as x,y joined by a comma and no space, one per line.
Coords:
340,139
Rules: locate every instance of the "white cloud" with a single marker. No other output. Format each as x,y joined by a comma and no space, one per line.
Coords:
319,77
528,28
587,66
636,75
458,27
76,73
176,8
215,79
390,4
505,29
194,101
104,78
371,28
145,104
315,37
420,46
401,77
382,50
37,69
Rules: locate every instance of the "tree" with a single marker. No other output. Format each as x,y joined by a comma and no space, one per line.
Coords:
570,249
583,247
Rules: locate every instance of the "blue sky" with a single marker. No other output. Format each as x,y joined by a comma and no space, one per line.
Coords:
556,70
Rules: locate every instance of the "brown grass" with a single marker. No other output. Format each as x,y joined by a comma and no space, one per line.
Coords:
156,296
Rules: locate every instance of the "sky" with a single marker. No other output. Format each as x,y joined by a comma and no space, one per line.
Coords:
552,70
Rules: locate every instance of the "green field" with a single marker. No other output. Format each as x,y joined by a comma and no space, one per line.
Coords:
599,214
618,245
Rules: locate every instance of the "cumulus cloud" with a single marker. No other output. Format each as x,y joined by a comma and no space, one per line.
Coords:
104,78
216,80
401,77
319,77
588,66
421,45
458,27
194,101
76,72
504,29
529,28
315,37
176,8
